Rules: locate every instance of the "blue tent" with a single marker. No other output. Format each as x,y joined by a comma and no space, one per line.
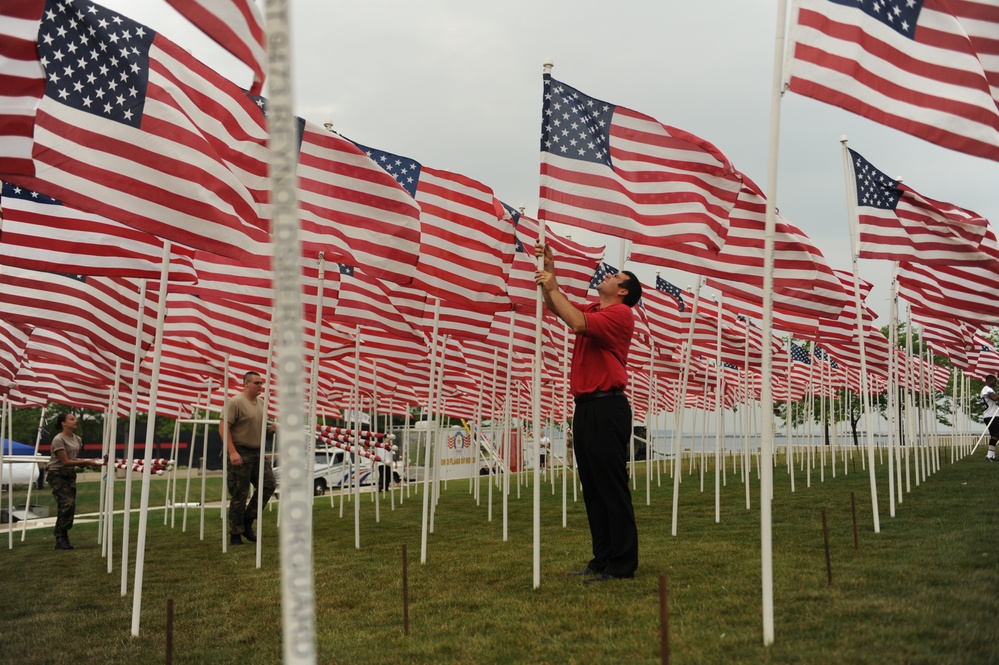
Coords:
15,448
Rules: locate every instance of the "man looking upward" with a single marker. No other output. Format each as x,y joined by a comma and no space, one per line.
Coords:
602,419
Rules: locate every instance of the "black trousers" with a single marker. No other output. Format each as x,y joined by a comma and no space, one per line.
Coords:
601,431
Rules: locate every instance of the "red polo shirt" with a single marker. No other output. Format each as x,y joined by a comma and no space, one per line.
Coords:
600,355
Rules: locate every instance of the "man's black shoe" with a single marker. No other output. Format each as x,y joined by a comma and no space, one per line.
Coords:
248,531
607,577
63,544
235,539
585,572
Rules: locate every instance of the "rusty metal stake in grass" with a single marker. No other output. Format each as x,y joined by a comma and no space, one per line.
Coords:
405,591
825,536
663,619
169,632
853,509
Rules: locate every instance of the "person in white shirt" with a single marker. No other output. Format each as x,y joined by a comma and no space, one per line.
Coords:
991,415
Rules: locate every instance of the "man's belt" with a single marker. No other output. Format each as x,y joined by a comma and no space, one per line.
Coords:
587,397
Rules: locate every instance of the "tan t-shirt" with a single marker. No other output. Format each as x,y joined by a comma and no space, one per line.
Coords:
245,419
70,444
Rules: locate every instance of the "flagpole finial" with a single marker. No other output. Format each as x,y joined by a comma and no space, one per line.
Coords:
843,139
328,125
548,65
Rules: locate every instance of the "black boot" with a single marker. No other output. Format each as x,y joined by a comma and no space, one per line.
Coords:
248,531
62,543
235,539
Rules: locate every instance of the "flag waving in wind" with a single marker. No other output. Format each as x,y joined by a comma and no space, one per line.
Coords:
924,67
898,224
609,169
133,128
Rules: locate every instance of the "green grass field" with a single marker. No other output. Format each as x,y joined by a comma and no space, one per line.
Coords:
924,590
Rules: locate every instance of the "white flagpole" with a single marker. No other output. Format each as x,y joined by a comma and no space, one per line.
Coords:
261,463
766,394
427,457
140,546
720,369
355,398
310,442
38,440
297,581
851,197
536,407
130,447
508,431
892,388
681,404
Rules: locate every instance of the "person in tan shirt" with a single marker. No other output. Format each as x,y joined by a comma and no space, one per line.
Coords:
61,472
241,427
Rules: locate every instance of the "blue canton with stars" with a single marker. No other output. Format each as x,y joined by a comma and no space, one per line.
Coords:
345,269
515,216
673,290
95,60
823,355
899,15
874,188
406,171
799,355
574,125
10,191
601,273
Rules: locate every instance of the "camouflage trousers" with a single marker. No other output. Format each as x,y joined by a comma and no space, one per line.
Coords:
239,479
63,484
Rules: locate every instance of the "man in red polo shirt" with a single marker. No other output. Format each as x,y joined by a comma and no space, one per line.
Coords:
602,419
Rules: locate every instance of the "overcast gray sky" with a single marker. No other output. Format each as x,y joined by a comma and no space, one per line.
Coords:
457,85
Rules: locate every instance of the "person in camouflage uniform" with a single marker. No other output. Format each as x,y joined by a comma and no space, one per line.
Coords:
240,430
61,472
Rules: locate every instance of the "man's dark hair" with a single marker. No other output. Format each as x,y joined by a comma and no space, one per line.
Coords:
246,377
990,376
634,288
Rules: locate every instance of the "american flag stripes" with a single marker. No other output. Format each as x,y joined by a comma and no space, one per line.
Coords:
612,170
352,210
40,233
898,224
911,65
102,309
236,25
467,240
22,83
133,128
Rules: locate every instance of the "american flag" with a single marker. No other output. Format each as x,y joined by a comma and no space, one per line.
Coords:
924,67
466,244
345,269
964,293
897,224
236,25
673,290
612,170
352,210
13,340
796,258
822,355
133,128
575,262
102,309
40,233
799,355
22,83
600,274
